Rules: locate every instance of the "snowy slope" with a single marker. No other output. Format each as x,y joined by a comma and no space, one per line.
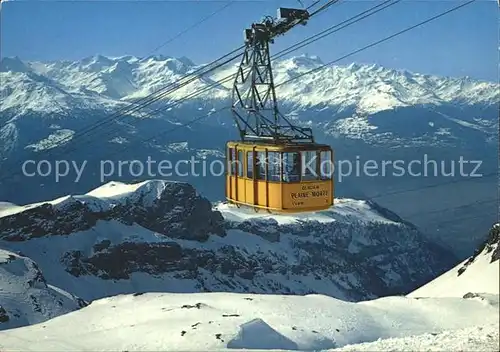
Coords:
26,297
220,321
162,236
478,274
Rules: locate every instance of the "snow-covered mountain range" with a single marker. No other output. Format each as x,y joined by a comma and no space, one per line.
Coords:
366,112
480,273
48,86
228,322
162,236
340,100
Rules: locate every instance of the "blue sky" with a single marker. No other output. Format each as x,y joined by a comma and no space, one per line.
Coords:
463,43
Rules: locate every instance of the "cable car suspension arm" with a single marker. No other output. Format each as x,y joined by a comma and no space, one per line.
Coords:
254,106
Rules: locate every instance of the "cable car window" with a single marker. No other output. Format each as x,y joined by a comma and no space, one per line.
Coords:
260,166
250,164
309,165
274,169
326,165
291,167
239,163
231,158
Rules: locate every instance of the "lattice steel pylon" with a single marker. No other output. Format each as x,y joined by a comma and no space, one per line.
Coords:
254,103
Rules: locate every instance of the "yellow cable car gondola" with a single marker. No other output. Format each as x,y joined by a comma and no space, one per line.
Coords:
276,166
